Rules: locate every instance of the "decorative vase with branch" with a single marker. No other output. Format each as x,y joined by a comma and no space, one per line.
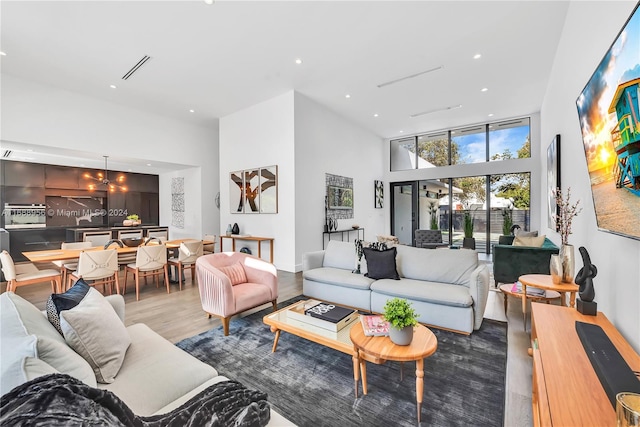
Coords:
567,211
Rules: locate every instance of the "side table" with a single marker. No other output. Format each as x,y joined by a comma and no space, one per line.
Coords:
507,290
381,349
543,281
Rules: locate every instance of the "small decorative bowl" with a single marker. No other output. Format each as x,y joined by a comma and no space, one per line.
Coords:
132,242
355,226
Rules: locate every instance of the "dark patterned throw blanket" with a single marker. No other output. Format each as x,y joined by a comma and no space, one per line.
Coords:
58,399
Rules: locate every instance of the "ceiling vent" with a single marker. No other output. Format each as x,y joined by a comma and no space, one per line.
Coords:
381,85
516,122
136,67
6,154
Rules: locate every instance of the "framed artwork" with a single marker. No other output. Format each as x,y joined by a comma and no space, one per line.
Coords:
553,181
340,197
378,195
236,191
269,189
252,191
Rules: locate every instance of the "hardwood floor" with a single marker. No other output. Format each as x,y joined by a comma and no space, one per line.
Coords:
178,315
175,316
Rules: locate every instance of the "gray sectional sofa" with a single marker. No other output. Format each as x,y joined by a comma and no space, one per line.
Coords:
155,378
448,287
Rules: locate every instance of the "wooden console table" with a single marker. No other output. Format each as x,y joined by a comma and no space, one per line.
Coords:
251,239
566,389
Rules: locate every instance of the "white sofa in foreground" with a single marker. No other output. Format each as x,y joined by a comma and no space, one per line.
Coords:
155,378
448,287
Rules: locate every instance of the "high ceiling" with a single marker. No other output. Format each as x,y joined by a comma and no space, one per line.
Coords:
220,58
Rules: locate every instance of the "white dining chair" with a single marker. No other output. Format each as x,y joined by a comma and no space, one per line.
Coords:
97,238
150,261
188,254
97,268
27,274
68,265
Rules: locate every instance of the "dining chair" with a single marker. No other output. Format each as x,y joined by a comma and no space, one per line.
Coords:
209,248
160,234
150,261
97,238
188,254
124,258
98,267
27,274
129,234
68,265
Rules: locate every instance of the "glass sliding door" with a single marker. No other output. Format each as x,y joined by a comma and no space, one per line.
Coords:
404,212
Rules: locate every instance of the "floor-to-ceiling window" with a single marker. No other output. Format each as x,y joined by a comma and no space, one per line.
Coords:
441,203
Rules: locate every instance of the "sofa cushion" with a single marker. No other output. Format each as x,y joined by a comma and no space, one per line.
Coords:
522,233
235,273
26,332
339,255
437,265
95,331
381,264
420,290
531,241
65,301
151,364
338,276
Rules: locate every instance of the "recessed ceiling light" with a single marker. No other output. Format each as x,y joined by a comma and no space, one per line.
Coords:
3,54
484,89
375,115
192,111
401,131
148,164
347,96
112,86
209,1
477,56
298,61
490,114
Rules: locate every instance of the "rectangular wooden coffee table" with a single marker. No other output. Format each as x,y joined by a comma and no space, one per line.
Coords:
279,321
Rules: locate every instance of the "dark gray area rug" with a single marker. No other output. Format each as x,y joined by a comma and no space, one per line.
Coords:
312,385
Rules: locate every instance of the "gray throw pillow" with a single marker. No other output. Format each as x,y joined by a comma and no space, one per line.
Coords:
95,332
523,233
381,264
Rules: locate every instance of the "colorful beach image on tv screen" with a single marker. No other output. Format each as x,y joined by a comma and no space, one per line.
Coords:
609,112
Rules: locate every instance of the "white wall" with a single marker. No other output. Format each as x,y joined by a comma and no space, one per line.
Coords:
589,30
328,143
44,115
262,135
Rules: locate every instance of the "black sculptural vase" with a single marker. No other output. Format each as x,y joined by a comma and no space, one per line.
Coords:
235,229
584,279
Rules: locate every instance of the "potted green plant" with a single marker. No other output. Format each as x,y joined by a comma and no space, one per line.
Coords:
507,223
131,220
433,210
469,241
402,318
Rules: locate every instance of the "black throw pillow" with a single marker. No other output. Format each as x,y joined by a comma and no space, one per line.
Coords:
66,301
381,264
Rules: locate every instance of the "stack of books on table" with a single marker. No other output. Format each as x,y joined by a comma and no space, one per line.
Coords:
374,325
517,288
324,315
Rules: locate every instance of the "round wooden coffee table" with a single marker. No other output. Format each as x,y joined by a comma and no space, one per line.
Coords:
381,349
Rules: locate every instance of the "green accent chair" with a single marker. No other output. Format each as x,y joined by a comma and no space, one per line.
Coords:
511,262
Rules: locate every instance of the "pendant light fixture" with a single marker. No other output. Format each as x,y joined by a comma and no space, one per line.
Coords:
103,179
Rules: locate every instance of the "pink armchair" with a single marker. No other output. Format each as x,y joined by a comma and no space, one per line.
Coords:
221,298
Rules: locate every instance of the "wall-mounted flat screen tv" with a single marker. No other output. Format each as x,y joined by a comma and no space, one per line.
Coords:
609,114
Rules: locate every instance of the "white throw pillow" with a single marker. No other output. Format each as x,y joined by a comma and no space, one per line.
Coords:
94,330
535,242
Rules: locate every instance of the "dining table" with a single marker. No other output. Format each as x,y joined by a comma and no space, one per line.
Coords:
50,255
